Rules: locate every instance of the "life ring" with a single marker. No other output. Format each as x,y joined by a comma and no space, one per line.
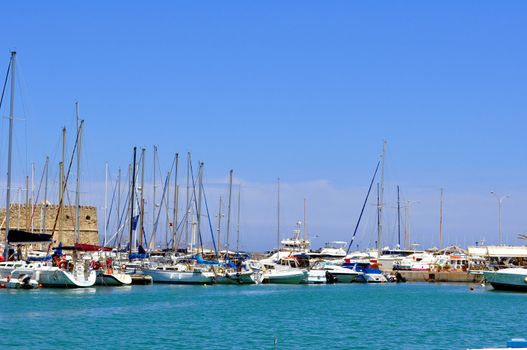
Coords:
63,264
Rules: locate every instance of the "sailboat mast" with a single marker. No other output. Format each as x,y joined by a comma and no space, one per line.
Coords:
45,206
10,149
187,208
62,188
238,220
381,202
78,183
305,222
441,221
132,207
176,205
32,198
119,197
142,200
105,202
379,226
398,217
218,229
200,189
153,244
278,217
229,210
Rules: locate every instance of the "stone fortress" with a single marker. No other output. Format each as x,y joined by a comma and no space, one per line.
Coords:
31,218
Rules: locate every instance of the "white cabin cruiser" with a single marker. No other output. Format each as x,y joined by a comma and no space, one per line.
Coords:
513,279
331,250
286,271
180,274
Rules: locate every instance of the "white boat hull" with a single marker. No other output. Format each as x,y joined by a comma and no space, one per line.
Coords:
113,279
343,276
316,277
284,277
180,277
507,279
57,278
246,277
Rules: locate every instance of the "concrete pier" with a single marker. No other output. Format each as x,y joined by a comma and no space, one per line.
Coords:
442,276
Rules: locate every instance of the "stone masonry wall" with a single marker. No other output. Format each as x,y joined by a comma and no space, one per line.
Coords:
21,219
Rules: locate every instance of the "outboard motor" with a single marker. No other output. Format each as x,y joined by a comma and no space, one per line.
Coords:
25,281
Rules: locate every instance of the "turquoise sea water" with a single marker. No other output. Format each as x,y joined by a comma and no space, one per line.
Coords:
356,316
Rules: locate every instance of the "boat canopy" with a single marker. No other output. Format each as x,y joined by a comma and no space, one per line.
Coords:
24,237
91,247
200,260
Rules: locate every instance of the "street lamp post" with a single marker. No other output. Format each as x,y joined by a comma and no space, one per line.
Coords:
500,201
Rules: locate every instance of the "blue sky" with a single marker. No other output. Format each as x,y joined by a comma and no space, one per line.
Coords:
304,90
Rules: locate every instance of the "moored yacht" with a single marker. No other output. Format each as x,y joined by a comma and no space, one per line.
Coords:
180,274
514,279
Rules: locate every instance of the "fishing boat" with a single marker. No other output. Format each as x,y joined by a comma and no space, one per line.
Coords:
513,279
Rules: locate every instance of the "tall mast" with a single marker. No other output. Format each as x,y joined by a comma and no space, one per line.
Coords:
305,217
379,226
441,221
10,148
26,227
132,207
278,217
105,202
176,205
398,217
218,229
142,199
44,209
188,211
62,189
153,244
119,198
200,189
238,220
381,202
229,210
32,199
78,182
166,197
406,243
